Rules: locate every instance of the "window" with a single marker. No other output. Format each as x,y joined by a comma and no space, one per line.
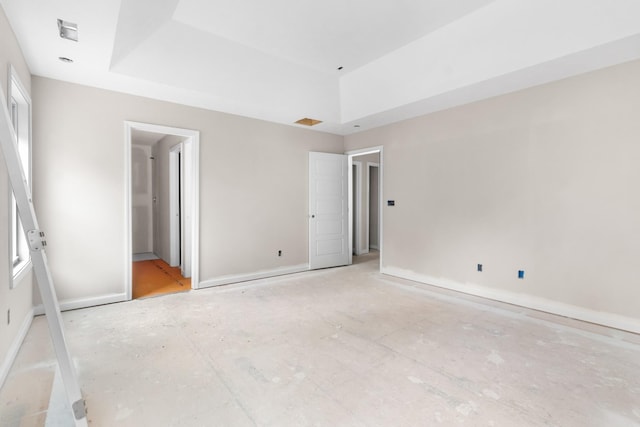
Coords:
20,111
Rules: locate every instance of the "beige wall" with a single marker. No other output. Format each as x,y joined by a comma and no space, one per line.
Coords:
253,185
18,300
544,180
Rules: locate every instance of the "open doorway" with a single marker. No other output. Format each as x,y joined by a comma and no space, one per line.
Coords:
162,210
365,199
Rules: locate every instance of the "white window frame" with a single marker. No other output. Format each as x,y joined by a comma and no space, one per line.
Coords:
19,103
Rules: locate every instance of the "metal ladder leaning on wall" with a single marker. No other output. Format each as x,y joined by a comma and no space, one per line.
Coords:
37,243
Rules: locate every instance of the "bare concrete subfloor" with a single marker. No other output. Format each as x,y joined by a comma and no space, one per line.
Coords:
335,347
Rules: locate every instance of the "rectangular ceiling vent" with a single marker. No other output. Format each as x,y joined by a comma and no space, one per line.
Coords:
308,122
68,30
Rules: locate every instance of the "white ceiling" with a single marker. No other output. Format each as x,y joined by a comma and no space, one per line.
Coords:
278,60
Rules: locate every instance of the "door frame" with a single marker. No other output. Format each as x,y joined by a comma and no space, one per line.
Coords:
191,198
361,152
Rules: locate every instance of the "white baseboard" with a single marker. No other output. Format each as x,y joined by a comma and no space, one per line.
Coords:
15,347
373,247
85,302
529,301
263,274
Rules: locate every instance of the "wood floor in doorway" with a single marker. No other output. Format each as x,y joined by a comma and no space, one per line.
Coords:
156,277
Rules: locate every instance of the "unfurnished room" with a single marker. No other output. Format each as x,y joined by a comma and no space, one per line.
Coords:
339,213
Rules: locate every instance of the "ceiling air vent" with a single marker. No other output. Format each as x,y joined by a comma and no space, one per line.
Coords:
308,122
68,30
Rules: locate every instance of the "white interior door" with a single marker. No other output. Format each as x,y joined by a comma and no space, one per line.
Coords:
175,207
328,210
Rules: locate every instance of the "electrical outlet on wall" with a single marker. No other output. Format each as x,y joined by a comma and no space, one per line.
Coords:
279,253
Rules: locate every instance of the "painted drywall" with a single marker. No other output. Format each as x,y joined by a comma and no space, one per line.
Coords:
162,236
544,180
253,185
498,48
19,299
